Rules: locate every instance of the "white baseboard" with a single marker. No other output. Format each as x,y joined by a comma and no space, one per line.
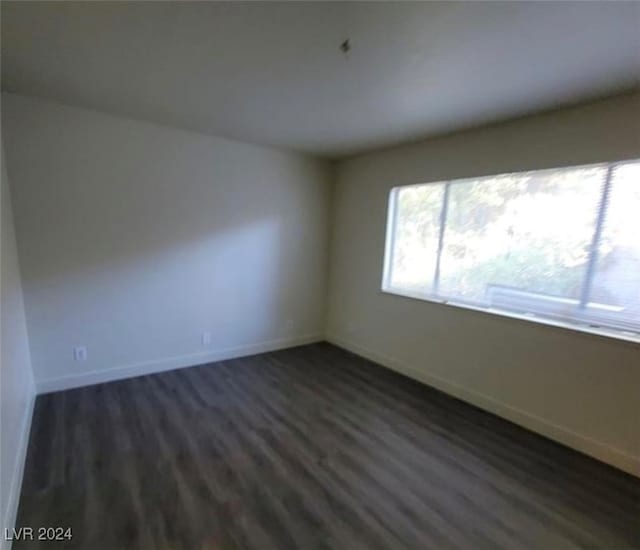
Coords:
596,449
18,473
170,363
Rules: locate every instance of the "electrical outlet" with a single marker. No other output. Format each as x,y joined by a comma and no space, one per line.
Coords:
206,338
80,353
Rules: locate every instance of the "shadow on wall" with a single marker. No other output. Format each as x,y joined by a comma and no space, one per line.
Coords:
135,238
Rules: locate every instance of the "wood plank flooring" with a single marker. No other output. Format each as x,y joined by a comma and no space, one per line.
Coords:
310,448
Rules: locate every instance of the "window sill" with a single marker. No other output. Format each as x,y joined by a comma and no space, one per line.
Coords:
624,336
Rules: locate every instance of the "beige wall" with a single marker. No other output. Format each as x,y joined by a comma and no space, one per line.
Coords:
16,381
580,389
134,239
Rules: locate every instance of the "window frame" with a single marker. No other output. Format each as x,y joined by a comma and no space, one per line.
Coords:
531,317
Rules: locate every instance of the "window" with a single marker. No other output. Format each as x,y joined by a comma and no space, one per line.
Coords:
560,244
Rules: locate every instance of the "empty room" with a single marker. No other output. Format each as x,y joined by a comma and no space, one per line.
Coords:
320,275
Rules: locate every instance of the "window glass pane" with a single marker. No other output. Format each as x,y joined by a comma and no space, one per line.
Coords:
615,292
521,241
560,244
415,239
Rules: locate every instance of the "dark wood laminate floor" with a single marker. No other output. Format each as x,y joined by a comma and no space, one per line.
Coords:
310,448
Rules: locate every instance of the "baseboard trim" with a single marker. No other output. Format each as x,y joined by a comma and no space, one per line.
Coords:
596,449
18,473
169,363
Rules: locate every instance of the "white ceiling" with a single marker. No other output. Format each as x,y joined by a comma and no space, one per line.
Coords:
272,73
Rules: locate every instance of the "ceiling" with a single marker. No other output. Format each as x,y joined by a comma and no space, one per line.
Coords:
273,73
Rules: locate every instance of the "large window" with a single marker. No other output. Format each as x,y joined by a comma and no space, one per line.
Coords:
559,244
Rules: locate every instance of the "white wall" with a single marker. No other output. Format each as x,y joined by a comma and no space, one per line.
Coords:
580,389
136,238
16,381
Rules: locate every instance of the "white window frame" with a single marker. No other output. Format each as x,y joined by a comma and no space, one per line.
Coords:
586,327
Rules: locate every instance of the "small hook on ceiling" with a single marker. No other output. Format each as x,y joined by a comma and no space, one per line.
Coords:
345,47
